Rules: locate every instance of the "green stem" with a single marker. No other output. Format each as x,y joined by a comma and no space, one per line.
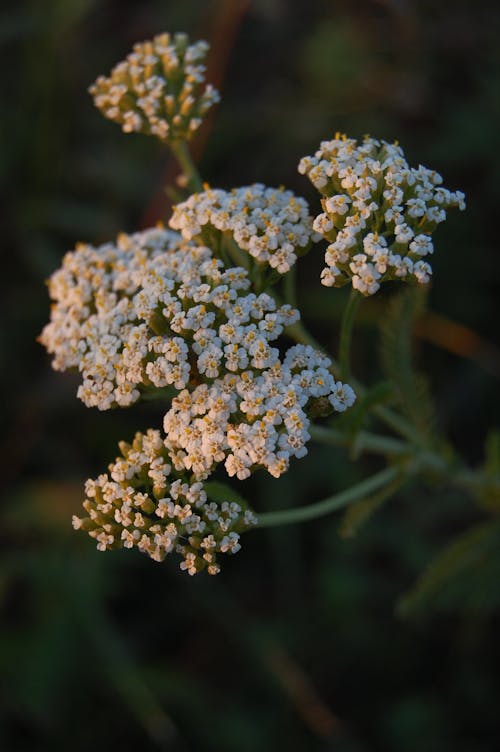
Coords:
239,257
332,503
363,441
222,251
188,167
259,283
387,481
430,461
346,333
289,287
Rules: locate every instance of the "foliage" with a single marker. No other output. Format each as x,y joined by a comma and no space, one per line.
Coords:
396,356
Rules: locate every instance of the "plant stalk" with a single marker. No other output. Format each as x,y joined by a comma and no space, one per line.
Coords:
332,503
289,287
188,167
363,441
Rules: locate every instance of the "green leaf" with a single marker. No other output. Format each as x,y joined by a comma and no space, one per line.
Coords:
455,572
397,359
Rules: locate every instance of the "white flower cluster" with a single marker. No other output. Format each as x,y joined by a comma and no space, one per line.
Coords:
144,503
251,419
272,225
379,213
158,89
152,311
155,311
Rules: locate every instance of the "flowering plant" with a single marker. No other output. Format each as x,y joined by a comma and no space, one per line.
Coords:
203,316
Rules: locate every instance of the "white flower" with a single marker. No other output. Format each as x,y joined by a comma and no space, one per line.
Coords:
323,224
229,544
403,234
421,245
338,204
342,397
329,276
422,271
366,279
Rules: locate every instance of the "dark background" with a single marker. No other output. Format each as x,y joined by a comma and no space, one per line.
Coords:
298,645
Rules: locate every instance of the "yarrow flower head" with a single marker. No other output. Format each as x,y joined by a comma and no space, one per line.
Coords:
159,89
153,311
256,418
378,212
272,225
143,502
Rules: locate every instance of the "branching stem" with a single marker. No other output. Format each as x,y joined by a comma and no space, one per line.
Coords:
364,441
332,503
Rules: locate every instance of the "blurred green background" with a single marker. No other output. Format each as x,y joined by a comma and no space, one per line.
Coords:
298,645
